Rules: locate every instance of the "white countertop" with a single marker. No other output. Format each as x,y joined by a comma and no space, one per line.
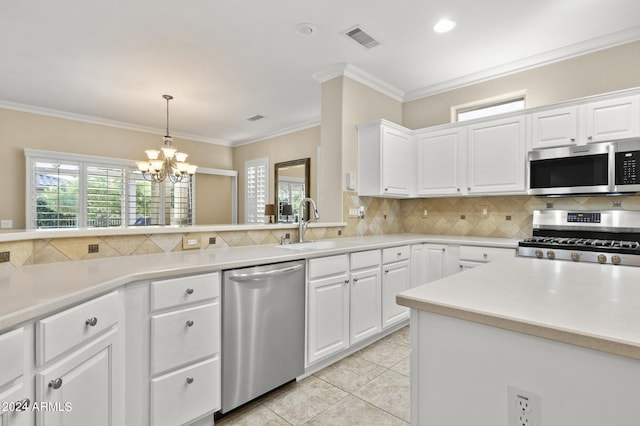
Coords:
585,304
28,292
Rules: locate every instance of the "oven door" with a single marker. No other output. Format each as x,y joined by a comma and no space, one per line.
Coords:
573,170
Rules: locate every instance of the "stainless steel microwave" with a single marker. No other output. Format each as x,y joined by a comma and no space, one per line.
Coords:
602,168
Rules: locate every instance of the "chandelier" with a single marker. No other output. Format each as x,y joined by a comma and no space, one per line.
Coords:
166,162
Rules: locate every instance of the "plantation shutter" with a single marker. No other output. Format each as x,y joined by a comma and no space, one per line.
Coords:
256,178
179,202
105,196
56,193
144,202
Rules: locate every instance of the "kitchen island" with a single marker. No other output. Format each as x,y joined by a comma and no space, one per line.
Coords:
565,332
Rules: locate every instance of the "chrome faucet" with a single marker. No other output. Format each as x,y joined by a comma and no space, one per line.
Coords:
302,224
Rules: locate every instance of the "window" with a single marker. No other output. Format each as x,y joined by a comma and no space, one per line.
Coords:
78,191
489,108
290,191
256,174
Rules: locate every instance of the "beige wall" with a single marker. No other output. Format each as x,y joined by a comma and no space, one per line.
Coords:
608,70
345,104
292,146
213,196
20,130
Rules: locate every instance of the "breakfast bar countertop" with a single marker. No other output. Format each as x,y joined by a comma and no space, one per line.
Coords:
585,304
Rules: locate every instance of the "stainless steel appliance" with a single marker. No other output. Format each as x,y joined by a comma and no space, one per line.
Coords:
611,237
262,330
596,168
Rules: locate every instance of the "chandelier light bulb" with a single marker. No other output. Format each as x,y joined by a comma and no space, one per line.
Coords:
181,157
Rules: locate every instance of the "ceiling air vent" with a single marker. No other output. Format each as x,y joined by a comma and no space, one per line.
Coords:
363,39
255,118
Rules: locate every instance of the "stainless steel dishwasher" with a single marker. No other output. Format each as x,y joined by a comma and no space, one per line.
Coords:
262,330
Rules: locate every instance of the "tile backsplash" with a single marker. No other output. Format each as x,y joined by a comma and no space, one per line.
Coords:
496,216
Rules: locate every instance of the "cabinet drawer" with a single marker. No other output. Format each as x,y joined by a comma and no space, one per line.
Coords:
180,291
365,259
62,331
330,265
11,355
484,254
186,394
395,254
184,336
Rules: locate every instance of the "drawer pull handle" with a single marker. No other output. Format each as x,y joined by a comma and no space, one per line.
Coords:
189,379
92,322
55,383
190,323
399,254
485,255
189,291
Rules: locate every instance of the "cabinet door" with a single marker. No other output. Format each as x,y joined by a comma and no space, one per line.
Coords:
395,279
558,127
16,407
496,156
78,391
365,313
613,119
328,316
396,162
440,162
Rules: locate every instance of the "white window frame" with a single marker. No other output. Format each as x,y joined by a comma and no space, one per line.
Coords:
488,104
35,155
247,199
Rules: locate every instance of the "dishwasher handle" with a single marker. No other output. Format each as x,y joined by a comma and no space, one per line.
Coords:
257,276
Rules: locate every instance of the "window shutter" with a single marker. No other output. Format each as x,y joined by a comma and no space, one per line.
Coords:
144,201
57,194
257,184
105,196
179,202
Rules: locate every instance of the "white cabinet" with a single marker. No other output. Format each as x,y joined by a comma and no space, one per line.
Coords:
430,262
15,399
328,306
607,120
554,128
83,372
441,163
364,295
173,350
497,156
396,277
472,256
385,159
612,119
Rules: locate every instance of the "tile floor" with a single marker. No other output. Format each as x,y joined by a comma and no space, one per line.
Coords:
370,387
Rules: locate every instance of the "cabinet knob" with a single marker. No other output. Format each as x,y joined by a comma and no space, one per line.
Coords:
386,271
573,139
355,280
346,282
189,379
386,189
458,189
190,323
444,249
91,322
468,188
189,291
590,137
55,383
23,404
485,255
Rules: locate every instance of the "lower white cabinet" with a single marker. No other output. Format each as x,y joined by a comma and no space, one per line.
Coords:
173,350
15,408
80,381
396,277
15,398
364,295
472,256
430,262
327,306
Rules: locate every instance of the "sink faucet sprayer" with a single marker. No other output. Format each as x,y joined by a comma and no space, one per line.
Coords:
302,224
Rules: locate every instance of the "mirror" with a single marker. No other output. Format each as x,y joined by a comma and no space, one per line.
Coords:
292,183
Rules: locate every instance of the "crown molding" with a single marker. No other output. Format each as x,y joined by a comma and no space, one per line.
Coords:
557,55
363,77
105,122
280,132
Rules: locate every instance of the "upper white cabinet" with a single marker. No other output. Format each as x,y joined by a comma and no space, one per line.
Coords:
612,119
553,128
590,122
496,156
441,162
385,159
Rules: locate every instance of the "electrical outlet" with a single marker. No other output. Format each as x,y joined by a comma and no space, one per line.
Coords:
190,243
523,407
484,211
93,248
5,256
6,223
212,240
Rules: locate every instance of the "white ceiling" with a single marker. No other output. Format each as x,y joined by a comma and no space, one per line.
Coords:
225,61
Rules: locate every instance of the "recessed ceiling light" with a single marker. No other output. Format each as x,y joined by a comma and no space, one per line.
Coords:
444,25
306,30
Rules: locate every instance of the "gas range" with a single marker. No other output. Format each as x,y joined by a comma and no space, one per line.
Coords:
611,237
